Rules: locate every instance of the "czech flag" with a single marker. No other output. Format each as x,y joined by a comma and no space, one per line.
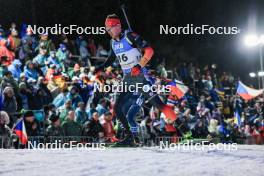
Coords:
20,131
246,92
178,88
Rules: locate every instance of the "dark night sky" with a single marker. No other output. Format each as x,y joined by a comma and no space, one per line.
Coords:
146,16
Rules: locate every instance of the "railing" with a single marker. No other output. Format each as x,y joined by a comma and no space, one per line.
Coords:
6,142
74,141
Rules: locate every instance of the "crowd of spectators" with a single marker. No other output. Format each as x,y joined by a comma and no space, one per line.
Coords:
50,84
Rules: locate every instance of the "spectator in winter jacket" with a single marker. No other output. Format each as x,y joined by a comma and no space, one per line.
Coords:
14,68
74,96
60,99
92,46
200,130
9,81
53,60
101,107
84,53
40,100
107,123
25,51
81,114
46,43
31,71
30,39
23,96
41,60
9,103
5,131
70,127
93,128
41,84
31,124
6,56
14,40
54,129
90,110
62,53
64,110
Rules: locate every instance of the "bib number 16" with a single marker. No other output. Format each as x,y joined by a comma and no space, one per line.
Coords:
122,58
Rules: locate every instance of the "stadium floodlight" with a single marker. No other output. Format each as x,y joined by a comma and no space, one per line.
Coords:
261,40
252,75
251,40
261,73
254,40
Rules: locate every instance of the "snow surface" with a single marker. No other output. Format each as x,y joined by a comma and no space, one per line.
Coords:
247,160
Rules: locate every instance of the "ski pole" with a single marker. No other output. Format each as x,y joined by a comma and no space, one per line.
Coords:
122,6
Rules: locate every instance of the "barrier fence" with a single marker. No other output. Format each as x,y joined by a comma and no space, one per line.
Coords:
79,141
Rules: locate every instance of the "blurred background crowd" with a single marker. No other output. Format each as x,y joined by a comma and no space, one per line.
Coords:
49,81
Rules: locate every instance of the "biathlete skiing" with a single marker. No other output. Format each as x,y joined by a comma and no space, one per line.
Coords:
133,53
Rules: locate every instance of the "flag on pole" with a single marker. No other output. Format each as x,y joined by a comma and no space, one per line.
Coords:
237,119
246,92
178,88
20,131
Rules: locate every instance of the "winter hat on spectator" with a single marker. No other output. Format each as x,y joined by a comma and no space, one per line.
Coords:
83,75
13,30
53,118
102,100
22,85
4,117
42,46
22,75
82,69
41,79
53,66
44,34
24,41
52,52
6,72
28,113
62,46
29,31
75,78
8,89
119,76
92,68
93,78
17,62
107,113
31,80
73,88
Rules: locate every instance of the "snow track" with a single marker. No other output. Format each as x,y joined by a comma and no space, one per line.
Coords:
247,160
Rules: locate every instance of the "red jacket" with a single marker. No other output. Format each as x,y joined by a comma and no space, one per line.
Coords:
109,131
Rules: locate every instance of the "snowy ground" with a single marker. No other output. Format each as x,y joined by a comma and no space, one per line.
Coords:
247,160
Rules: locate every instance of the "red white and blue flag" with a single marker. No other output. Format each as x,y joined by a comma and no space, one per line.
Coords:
178,88
246,92
20,131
